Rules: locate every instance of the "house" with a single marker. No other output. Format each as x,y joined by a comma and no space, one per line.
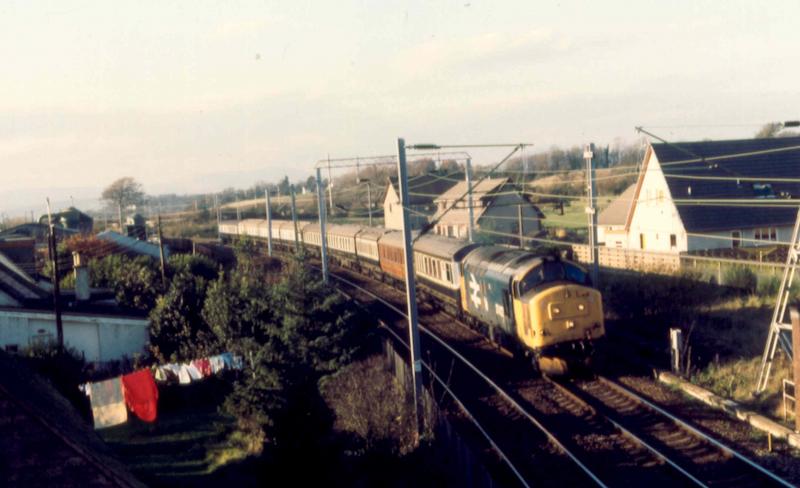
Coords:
423,189
672,206
131,246
40,235
611,220
72,219
92,322
496,206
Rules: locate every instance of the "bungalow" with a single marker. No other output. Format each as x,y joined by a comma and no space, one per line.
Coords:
496,206
685,197
423,189
92,322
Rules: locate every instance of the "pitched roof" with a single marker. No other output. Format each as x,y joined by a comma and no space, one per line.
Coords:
759,158
18,284
479,190
131,245
617,211
424,188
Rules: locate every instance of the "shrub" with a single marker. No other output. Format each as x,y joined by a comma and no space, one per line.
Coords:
740,277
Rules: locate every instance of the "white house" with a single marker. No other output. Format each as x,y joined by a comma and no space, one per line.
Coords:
684,199
423,189
496,208
97,328
100,338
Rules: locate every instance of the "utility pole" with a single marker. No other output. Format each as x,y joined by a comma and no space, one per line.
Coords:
269,222
294,220
216,210
323,239
468,177
411,291
591,210
56,285
161,253
330,183
520,226
369,203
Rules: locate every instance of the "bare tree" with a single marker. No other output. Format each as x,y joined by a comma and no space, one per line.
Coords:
123,192
769,130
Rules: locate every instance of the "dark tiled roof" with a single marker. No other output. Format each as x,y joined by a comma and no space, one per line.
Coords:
18,284
703,159
425,188
43,439
36,231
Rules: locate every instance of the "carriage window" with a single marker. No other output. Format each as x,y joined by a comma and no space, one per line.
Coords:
448,269
576,274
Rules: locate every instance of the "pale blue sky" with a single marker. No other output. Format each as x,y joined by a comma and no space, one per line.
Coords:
199,95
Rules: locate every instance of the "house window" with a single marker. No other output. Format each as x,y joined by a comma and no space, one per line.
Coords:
673,240
736,239
641,241
766,234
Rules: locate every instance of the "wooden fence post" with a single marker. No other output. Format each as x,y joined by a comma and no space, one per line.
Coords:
675,350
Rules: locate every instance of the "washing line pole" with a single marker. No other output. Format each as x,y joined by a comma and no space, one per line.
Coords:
411,292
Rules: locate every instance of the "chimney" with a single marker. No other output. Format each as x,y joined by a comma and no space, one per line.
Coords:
82,290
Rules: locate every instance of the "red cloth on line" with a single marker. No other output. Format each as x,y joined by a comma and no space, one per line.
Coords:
203,365
141,394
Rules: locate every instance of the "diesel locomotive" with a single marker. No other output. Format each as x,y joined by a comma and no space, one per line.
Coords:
540,307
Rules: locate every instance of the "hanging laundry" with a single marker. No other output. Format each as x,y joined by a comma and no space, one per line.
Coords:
238,363
184,377
227,360
141,394
217,364
203,365
108,405
194,373
160,374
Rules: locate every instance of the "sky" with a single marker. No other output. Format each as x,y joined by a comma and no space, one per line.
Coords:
196,96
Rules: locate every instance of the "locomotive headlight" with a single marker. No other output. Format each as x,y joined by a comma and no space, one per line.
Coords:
556,310
570,324
581,307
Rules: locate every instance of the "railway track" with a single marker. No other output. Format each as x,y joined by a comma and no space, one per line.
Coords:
702,458
657,450
584,433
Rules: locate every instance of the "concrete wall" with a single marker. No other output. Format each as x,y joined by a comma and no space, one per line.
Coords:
99,338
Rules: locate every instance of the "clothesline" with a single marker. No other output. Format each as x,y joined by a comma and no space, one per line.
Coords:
138,390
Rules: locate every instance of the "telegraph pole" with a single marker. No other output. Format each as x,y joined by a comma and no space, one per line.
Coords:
468,177
323,239
369,203
591,210
269,222
411,291
330,183
161,253
56,285
216,209
294,220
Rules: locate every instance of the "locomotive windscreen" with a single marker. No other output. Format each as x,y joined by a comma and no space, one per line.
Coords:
552,271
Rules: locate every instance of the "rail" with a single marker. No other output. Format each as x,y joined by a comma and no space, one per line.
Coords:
488,381
700,434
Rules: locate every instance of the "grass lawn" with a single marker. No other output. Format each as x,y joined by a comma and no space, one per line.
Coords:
574,214
186,446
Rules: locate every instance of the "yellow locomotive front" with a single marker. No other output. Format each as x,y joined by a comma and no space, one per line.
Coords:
559,317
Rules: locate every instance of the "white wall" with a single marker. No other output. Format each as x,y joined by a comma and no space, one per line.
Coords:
392,211
99,338
655,215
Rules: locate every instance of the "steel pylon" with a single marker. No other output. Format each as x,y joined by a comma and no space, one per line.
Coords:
780,329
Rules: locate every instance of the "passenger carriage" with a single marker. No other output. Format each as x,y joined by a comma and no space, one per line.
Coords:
437,265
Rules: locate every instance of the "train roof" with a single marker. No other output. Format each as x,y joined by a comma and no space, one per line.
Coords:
501,260
371,233
443,247
347,230
394,238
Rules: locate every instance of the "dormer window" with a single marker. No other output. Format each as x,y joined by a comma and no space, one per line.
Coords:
763,190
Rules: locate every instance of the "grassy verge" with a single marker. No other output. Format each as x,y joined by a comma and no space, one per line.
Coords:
186,446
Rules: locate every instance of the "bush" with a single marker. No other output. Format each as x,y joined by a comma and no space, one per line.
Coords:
64,368
740,277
